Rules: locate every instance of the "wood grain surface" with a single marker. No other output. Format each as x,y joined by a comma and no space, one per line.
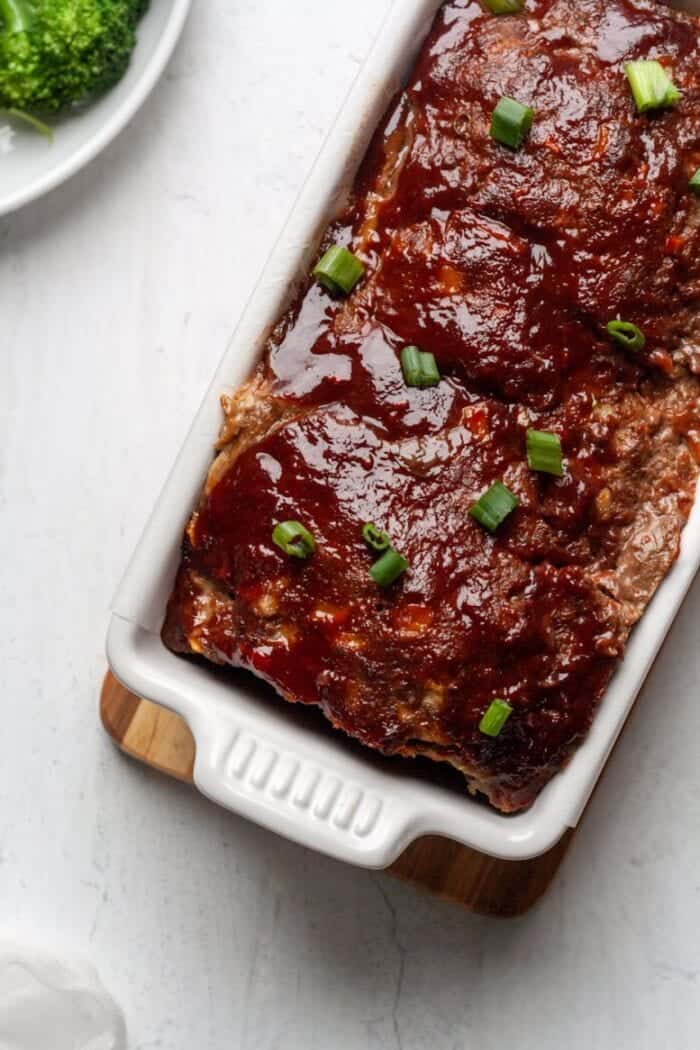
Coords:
483,884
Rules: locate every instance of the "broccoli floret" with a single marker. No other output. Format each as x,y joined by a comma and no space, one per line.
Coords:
54,53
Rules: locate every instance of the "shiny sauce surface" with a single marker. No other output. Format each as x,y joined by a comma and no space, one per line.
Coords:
506,265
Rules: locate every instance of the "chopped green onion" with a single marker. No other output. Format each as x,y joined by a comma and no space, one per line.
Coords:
511,122
495,718
695,182
339,270
375,538
390,566
626,334
504,7
419,367
492,509
544,452
292,538
651,85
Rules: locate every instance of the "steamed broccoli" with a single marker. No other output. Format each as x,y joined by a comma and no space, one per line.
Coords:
54,53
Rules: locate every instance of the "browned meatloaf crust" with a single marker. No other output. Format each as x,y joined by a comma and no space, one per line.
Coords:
506,265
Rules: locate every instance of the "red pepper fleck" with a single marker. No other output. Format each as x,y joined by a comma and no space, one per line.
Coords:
663,361
674,245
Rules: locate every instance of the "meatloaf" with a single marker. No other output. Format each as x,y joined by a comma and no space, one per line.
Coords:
507,265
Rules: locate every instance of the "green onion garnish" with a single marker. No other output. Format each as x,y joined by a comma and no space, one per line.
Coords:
419,367
504,7
495,718
651,85
292,538
626,334
375,538
492,509
695,182
511,122
390,566
339,270
544,452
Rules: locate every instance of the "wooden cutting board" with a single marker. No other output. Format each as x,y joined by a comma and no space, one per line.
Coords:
483,884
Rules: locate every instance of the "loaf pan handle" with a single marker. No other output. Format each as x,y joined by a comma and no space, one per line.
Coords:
264,773
297,797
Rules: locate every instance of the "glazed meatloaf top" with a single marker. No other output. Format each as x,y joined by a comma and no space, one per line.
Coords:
507,265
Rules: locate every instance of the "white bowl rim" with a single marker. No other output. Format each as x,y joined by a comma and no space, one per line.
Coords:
115,122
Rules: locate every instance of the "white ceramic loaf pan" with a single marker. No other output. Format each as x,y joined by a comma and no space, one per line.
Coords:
257,756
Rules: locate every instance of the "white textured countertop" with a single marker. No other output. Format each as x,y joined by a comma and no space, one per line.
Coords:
117,296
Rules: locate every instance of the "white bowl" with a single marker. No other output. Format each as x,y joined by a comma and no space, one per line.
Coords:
31,166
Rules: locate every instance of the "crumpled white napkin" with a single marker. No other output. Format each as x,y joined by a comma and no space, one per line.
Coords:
50,1004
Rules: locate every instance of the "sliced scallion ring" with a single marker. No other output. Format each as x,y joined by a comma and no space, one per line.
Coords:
419,367
695,182
339,270
510,123
495,718
651,85
294,539
375,538
627,335
388,568
492,509
544,452
505,7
